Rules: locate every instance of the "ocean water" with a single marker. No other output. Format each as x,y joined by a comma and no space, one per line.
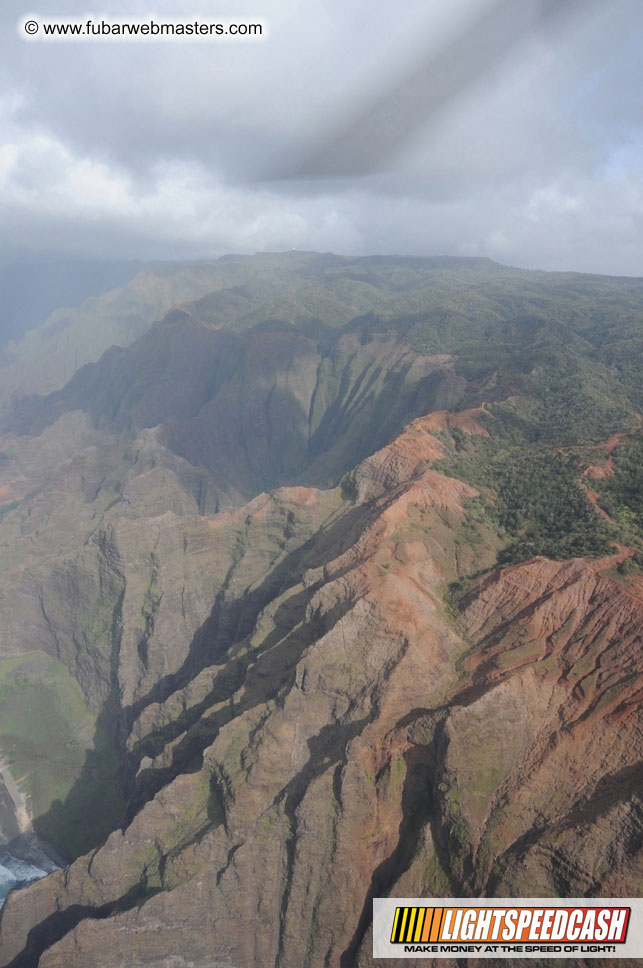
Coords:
16,872
24,857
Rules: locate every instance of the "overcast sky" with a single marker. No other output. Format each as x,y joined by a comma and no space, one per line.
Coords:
175,150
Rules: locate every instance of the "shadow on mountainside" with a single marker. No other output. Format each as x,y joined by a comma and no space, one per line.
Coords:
263,673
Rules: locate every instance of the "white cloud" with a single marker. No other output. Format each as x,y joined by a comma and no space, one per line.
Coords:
140,150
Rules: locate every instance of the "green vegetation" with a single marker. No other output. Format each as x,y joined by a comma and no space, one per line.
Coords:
554,357
621,496
6,508
559,349
435,882
565,367
455,824
532,495
62,761
543,508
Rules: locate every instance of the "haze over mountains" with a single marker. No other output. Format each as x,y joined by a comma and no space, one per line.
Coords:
31,290
324,575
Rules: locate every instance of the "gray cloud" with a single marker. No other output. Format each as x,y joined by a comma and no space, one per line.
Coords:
151,151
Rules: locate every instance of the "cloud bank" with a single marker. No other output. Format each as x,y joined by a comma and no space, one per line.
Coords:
166,150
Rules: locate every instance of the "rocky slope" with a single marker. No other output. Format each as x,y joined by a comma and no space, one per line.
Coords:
50,353
249,579
314,406
489,314
320,293
326,733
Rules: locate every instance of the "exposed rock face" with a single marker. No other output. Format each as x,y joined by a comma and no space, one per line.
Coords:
257,410
400,460
577,635
224,553
308,728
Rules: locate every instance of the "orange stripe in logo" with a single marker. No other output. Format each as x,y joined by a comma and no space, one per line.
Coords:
427,925
437,924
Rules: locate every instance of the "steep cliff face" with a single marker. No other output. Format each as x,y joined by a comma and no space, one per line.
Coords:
565,806
307,654
249,579
258,409
327,733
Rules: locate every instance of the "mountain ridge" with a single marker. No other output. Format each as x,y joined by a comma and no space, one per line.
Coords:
388,582
335,606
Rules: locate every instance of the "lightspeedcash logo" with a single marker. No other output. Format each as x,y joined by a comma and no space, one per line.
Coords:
490,927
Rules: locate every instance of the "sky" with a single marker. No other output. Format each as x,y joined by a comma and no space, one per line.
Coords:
349,128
